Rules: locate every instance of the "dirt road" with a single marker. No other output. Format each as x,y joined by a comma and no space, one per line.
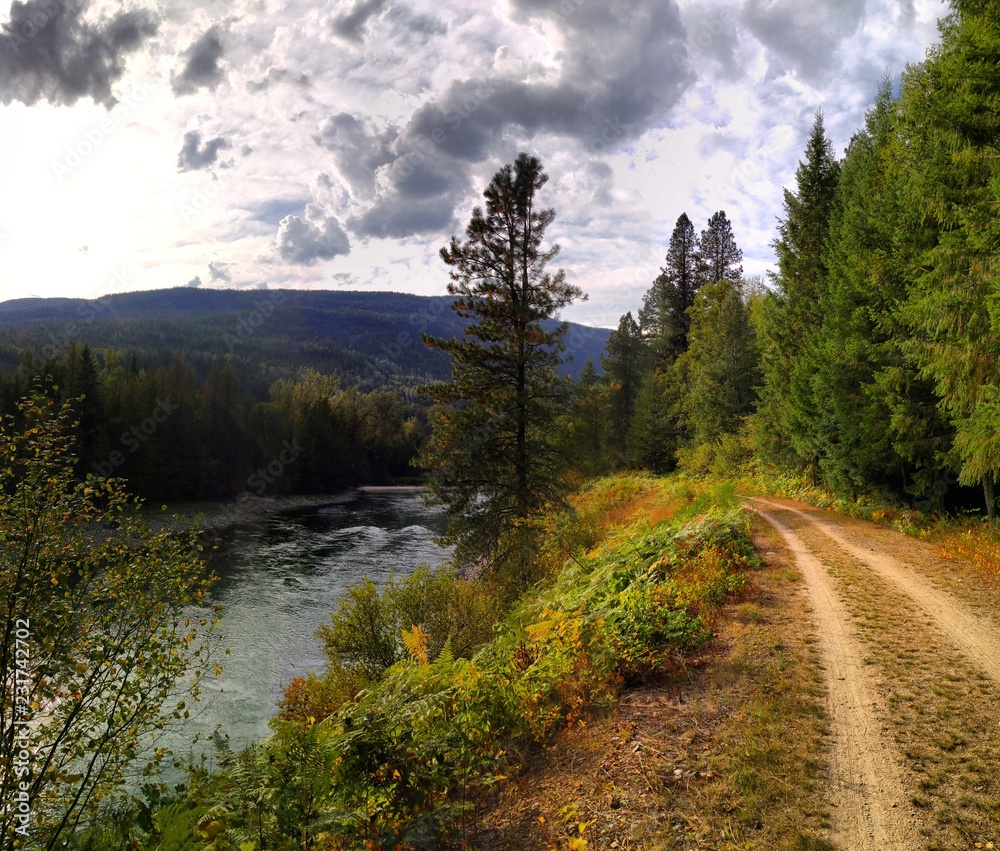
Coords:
912,659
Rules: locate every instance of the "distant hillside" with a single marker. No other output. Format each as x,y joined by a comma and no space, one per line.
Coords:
369,338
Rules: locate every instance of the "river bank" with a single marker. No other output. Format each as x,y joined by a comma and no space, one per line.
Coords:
216,518
280,573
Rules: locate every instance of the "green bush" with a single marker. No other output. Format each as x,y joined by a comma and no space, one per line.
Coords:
364,636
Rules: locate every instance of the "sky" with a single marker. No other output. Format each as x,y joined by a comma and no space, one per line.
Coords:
339,145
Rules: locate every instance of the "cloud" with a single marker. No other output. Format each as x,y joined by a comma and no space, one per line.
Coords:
220,271
194,155
358,151
804,43
320,236
714,35
393,217
274,76
620,69
195,282
49,52
351,24
201,67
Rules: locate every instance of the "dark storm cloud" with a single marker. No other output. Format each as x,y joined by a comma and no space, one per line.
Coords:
714,34
804,43
394,218
351,24
195,155
357,151
48,52
307,241
201,65
622,69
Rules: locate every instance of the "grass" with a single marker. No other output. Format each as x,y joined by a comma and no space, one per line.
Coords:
636,574
943,713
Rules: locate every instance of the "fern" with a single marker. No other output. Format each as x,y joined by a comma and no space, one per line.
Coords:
175,824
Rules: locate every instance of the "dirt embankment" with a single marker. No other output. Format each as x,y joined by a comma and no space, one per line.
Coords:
850,700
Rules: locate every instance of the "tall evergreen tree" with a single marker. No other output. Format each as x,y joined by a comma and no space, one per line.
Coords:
951,120
586,430
862,380
791,317
655,434
721,363
721,259
493,455
664,318
625,362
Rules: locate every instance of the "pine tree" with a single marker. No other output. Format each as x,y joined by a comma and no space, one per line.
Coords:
862,380
586,427
624,362
792,316
664,318
720,258
951,121
721,363
655,434
493,455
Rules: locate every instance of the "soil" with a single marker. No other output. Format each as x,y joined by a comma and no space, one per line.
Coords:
867,791
911,652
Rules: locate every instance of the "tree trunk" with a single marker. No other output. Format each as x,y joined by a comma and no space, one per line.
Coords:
988,493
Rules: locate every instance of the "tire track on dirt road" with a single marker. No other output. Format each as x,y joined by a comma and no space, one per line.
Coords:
870,808
978,638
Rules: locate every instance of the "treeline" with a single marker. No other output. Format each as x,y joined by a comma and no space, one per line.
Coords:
680,379
174,437
872,361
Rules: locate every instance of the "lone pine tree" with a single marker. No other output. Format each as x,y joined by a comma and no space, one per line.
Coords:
495,460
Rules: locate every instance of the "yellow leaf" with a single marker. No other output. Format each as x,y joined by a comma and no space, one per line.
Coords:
415,641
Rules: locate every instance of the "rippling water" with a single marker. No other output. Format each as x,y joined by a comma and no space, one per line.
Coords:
280,580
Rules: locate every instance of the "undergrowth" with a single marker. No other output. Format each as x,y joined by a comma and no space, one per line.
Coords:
636,571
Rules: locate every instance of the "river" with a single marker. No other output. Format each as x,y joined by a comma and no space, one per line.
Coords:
278,582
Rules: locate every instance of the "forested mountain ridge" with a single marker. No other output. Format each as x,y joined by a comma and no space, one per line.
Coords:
370,339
